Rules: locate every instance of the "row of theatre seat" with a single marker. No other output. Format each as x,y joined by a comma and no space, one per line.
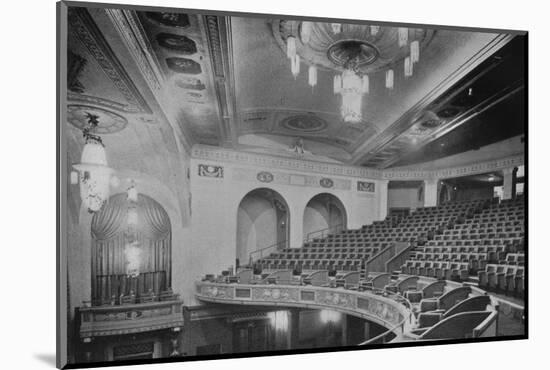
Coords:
454,240
470,248
437,308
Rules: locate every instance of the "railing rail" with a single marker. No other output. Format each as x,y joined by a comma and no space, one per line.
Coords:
382,338
322,233
260,253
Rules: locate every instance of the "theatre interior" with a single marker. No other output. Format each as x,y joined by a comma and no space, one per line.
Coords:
241,184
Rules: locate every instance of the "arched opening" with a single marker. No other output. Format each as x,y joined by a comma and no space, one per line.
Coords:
131,250
262,221
324,211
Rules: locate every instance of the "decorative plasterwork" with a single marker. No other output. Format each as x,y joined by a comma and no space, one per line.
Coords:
86,30
373,51
384,311
459,171
109,122
131,31
232,156
473,169
137,318
304,166
286,178
218,34
210,171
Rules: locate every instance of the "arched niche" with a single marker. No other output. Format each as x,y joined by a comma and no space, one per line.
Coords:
131,249
263,220
324,211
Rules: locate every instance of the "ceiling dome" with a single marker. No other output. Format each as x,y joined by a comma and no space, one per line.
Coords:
373,50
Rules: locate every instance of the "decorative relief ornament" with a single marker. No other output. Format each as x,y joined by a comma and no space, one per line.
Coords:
265,176
210,171
326,183
365,186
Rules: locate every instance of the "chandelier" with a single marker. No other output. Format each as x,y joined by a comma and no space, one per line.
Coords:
132,250
354,52
93,173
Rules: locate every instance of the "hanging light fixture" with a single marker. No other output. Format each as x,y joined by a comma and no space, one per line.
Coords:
389,79
337,84
94,174
415,51
132,192
408,67
291,47
402,36
295,65
312,76
336,27
351,90
305,31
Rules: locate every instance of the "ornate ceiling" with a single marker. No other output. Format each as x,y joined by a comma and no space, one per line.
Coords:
188,78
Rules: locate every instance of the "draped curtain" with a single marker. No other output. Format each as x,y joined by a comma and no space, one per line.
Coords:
110,248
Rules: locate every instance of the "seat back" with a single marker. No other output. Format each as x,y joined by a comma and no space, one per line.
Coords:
433,289
380,281
408,283
461,325
476,303
245,276
449,299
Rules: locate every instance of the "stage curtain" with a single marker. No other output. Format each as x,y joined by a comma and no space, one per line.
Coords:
109,243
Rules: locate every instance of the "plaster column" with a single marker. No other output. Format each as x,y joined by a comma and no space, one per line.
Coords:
508,186
430,192
382,199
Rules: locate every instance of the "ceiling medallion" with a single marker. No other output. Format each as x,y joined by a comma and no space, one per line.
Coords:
342,51
108,122
304,123
353,51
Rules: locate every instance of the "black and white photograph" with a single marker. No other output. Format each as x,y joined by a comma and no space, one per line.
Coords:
252,184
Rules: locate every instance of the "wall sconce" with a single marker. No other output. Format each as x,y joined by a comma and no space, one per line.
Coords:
94,175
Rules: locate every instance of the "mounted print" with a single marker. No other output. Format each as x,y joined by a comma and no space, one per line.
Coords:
244,184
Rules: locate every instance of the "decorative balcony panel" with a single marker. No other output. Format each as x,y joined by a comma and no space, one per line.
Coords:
128,319
377,308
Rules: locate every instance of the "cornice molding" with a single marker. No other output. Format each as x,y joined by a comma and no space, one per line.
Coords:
217,30
86,30
129,28
458,171
217,154
243,158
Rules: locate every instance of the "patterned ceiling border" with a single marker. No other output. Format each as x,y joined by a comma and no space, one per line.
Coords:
91,37
101,102
233,156
132,32
227,155
459,171
286,178
218,34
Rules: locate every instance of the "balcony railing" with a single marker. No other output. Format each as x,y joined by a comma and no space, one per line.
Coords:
388,310
131,318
